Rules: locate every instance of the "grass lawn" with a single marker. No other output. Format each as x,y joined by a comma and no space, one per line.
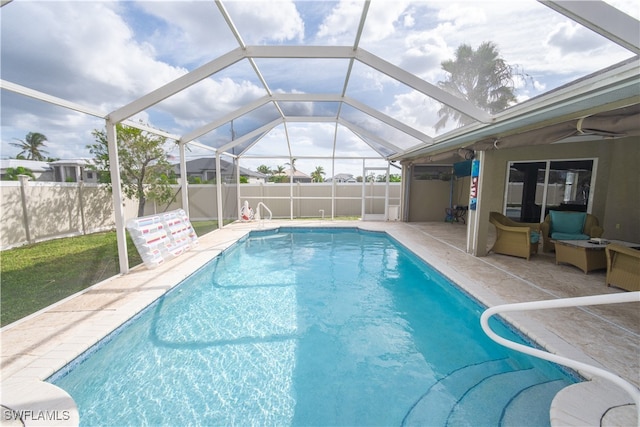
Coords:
35,276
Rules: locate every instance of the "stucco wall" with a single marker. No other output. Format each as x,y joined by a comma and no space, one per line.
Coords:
428,200
616,195
622,196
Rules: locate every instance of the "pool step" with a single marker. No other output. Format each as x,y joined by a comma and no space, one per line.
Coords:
520,407
464,396
494,391
434,406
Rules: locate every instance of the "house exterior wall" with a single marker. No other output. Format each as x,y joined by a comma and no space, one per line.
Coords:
622,195
428,200
616,196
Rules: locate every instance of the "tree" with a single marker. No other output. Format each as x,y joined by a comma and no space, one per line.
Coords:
277,174
31,146
264,169
292,165
392,178
11,174
316,176
479,76
144,168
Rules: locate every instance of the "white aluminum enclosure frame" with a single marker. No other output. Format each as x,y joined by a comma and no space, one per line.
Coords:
614,87
365,197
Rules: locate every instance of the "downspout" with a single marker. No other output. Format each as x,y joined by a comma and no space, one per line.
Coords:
118,207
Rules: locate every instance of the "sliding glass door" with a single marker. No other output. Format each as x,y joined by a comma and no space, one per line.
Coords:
535,188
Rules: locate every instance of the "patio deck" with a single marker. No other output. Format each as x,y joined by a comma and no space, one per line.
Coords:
605,336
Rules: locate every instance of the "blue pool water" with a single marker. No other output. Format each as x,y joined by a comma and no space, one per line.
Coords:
315,328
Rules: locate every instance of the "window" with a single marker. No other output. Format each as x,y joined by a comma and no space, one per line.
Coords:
432,172
535,188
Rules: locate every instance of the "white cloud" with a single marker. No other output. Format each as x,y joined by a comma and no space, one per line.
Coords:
570,38
416,110
207,100
82,51
381,20
461,15
424,53
408,21
338,27
185,35
261,22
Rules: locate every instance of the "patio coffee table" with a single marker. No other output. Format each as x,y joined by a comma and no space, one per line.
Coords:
585,255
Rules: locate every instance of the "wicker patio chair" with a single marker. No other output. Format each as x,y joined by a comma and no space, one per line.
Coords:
623,267
514,238
590,229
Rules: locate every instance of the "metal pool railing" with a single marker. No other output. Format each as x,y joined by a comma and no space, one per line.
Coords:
259,218
573,364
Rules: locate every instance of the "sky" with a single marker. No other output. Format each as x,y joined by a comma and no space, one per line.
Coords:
105,54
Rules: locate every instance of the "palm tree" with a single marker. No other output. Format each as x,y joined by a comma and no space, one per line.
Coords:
32,146
479,76
292,165
278,174
264,169
316,175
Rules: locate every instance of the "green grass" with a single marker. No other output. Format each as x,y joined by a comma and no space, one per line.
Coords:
36,276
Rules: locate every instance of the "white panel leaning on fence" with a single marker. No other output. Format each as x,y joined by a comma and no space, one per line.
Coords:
162,237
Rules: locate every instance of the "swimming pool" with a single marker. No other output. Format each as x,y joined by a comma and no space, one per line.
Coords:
311,327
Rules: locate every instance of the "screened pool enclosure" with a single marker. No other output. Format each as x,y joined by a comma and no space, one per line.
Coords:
353,88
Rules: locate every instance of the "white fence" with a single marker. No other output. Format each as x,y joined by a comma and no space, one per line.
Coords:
38,211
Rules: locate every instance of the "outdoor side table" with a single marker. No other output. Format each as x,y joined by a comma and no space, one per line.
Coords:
585,255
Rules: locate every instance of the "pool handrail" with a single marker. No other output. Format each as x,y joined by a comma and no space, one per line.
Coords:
573,364
264,206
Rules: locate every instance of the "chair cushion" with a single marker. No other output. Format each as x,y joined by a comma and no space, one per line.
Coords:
535,237
569,236
567,222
